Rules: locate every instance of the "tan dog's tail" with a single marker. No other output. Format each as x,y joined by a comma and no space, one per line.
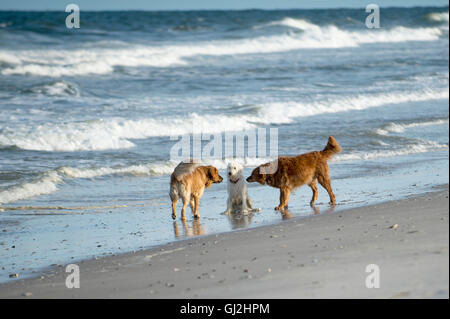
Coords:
332,148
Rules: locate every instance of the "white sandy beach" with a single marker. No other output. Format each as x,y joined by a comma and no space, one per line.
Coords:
323,256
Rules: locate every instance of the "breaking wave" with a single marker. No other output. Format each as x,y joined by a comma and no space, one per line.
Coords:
47,184
420,147
399,127
117,133
100,60
438,16
58,88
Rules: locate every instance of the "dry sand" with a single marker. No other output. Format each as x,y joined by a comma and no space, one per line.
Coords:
323,256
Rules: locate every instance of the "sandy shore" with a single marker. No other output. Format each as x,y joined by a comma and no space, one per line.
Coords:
323,256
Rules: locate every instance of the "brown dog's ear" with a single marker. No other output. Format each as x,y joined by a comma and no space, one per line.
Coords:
209,176
211,172
263,179
262,170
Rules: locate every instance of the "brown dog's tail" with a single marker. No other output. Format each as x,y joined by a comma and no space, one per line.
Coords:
332,148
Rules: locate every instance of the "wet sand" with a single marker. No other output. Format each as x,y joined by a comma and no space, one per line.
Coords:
322,256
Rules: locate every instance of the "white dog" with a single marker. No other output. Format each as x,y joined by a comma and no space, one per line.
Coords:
238,200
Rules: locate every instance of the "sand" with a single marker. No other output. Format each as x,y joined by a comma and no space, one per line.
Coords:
322,256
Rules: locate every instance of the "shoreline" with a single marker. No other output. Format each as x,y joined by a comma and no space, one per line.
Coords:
280,261
61,237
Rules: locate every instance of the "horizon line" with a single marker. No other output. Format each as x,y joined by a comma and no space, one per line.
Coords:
242,9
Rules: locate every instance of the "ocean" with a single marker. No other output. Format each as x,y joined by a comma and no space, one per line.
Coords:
88,117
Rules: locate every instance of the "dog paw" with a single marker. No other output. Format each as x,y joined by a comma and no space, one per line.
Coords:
227,212
174,216
196,216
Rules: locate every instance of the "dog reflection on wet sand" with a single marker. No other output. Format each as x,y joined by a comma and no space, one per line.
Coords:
286,214
240,220
195,229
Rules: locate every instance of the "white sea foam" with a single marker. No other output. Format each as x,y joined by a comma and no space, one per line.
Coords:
421,147
116,133
282,112
47,184
59,88
300,24
151,169
9,58
399,127
102,60
438,16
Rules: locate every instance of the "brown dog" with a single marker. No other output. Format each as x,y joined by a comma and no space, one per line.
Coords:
188,181
293,172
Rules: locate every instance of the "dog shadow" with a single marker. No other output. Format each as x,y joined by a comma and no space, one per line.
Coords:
195,229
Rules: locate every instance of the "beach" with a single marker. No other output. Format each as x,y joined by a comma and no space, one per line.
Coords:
321,256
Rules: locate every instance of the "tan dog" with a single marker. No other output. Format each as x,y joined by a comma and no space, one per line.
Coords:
293,172
188,181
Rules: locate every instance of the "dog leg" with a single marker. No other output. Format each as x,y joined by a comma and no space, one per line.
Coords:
174,208
197,204
244,207
325,182
174,198
284,198
313,186
192,205
183,210
250,205
247,200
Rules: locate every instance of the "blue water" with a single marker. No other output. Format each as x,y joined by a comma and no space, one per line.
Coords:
86,117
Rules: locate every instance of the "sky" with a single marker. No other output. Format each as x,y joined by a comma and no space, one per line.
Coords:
206,4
